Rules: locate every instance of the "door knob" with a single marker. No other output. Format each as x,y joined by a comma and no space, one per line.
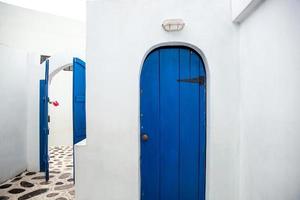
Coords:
145,137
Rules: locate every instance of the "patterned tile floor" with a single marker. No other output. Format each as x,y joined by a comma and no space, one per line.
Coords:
31,185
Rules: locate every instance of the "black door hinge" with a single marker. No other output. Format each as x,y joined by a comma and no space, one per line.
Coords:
200,80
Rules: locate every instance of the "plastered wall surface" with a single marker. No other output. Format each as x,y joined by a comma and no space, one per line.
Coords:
270,70
241,9
43,33
61,125
238,6
36,72
119,34
13,79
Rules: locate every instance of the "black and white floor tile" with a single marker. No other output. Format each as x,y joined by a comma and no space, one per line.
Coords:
32,185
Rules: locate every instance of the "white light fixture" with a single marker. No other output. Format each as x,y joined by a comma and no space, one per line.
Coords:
171,25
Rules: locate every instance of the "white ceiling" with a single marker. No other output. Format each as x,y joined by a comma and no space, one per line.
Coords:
74,9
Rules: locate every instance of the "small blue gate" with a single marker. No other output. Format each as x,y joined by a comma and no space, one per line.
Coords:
79,118
79,115
173,125
44,128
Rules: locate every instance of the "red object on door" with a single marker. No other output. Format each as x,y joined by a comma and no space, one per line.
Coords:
55,103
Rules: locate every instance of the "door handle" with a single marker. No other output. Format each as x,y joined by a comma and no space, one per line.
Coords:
145,137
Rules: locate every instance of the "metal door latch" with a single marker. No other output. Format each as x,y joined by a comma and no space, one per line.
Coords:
200,80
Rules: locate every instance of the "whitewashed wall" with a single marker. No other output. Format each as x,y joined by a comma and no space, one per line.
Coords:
119,34
13,83
270,71
39,32
61,125
241,9
35,73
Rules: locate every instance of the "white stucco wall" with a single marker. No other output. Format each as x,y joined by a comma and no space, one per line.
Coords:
119,34
241,9
61,125
36,72
13,85
270,71
39,32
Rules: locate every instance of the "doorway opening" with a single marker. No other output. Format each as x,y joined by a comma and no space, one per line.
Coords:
60,146
62,124
173,124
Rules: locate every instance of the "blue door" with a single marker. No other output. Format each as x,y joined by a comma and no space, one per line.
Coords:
44,128
79,122
173,125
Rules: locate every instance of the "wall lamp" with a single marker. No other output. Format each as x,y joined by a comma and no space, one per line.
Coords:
172,25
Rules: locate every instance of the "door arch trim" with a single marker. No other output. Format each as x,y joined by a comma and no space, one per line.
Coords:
183,44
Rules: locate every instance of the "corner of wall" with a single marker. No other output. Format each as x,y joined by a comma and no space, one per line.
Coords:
243,9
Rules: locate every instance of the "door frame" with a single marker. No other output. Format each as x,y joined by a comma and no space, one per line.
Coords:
42,167
207,117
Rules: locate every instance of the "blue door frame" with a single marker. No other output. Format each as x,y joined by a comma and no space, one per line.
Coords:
173,125
44,128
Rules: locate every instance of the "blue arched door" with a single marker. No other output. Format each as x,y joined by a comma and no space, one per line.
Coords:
173,125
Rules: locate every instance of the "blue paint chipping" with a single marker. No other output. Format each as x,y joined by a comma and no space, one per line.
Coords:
173,115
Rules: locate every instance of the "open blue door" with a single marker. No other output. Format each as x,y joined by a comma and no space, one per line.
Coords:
173,125
44,128
79,121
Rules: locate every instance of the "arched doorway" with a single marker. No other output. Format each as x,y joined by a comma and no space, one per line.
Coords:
62,153
173,125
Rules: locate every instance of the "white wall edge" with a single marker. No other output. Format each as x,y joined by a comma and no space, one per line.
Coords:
57,70
247,11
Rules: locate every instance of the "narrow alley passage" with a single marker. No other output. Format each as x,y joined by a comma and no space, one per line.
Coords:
32,185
